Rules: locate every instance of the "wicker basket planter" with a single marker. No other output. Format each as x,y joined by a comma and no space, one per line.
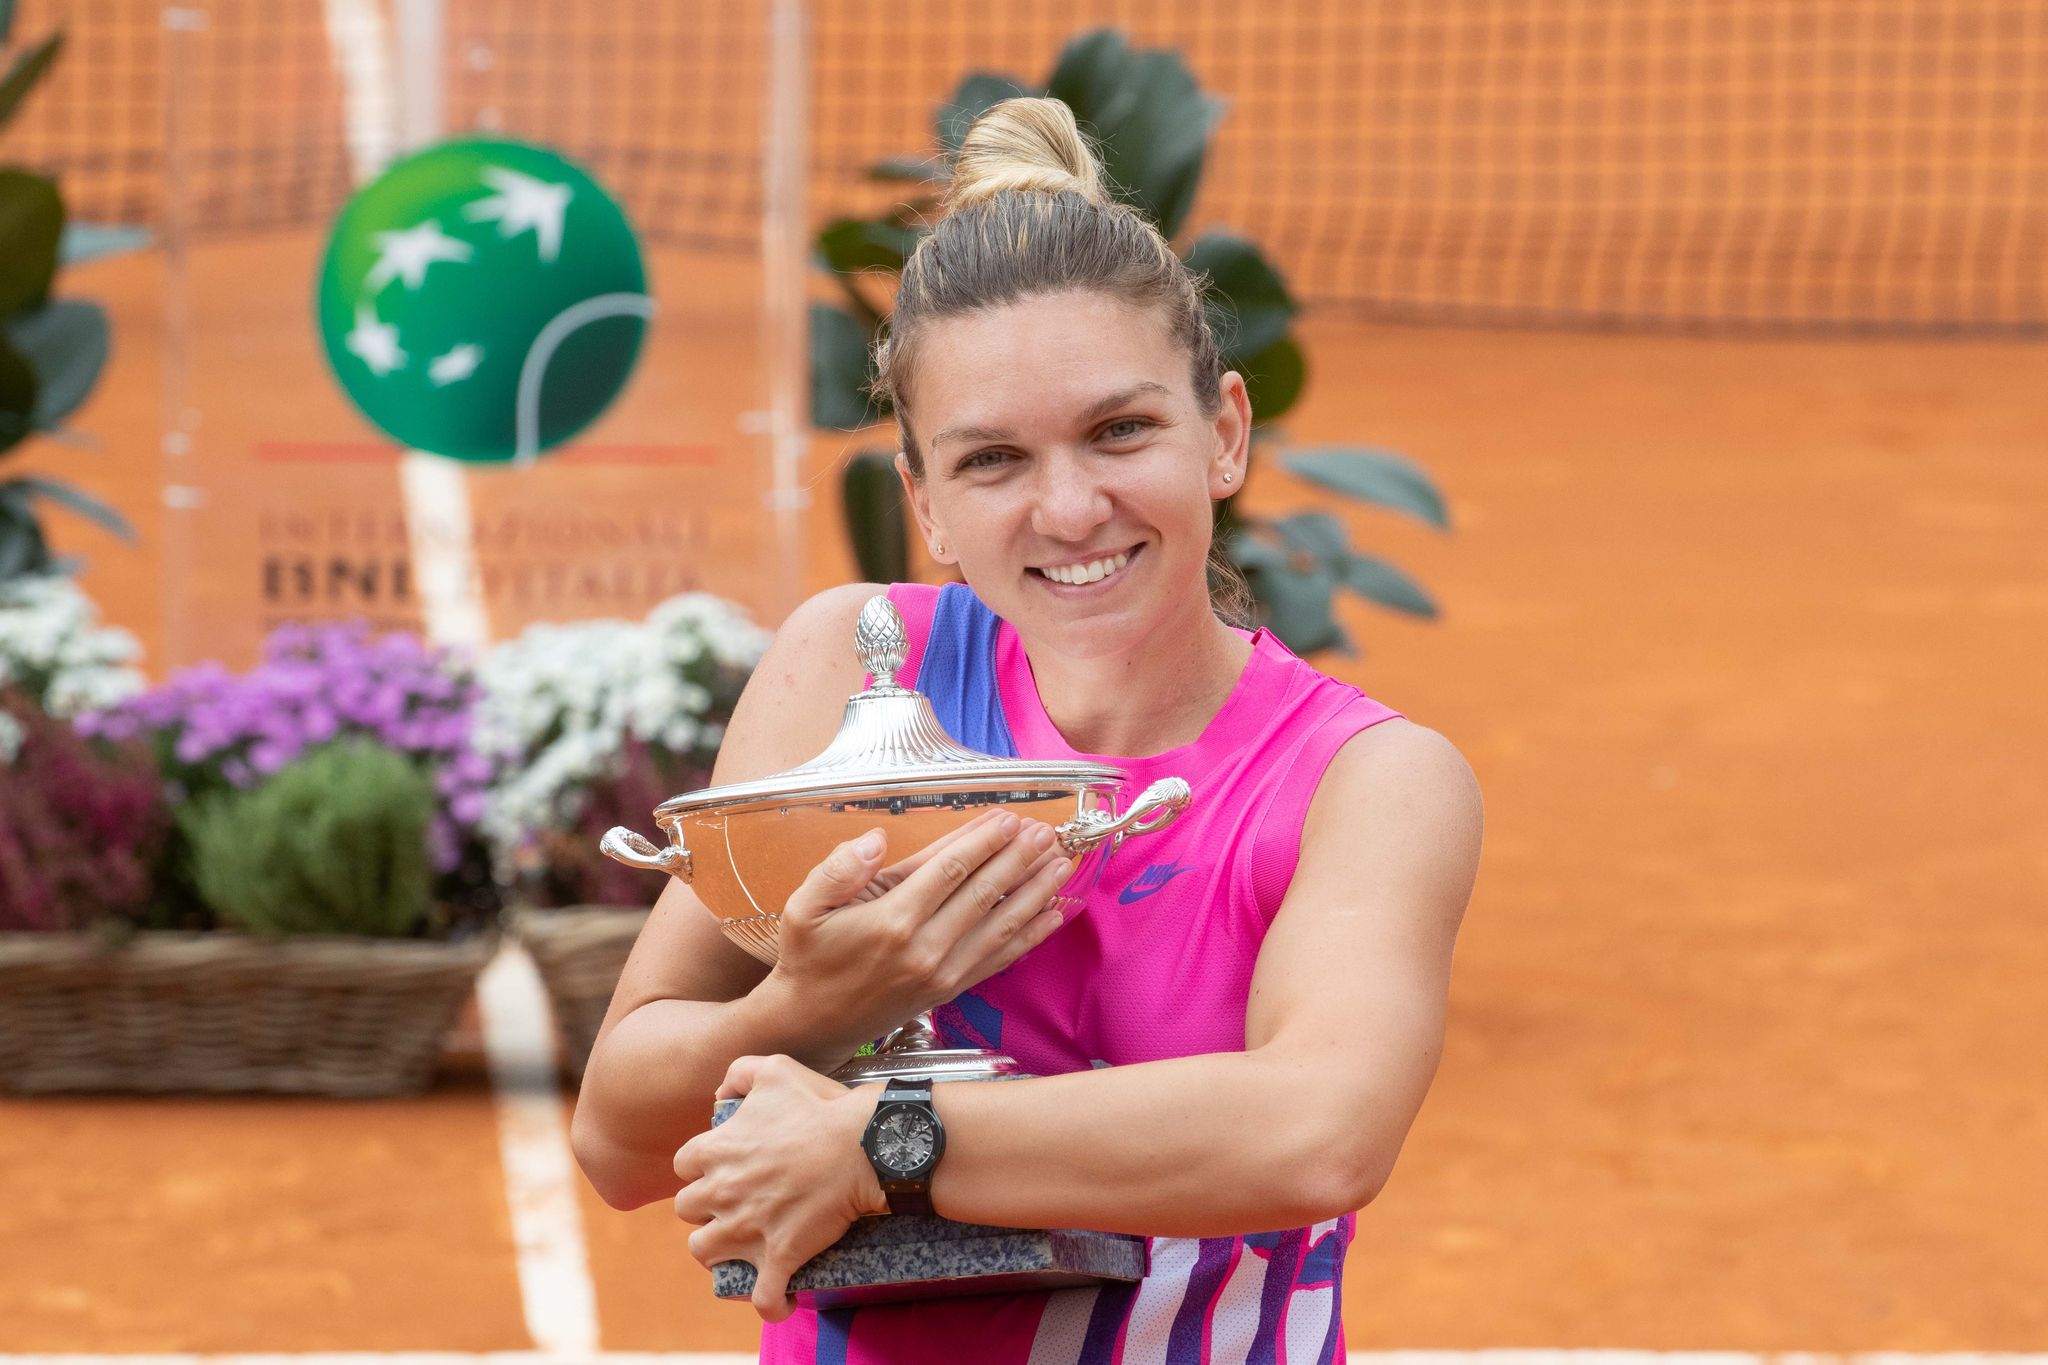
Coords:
580,952
225,1012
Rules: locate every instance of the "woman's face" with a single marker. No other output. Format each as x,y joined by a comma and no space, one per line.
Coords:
1068,470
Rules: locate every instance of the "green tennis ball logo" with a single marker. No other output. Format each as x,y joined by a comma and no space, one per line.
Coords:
482,299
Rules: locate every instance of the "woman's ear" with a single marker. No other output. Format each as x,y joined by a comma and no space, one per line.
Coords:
916,499
1233,432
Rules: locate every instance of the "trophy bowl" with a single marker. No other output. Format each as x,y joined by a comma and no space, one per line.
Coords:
746,847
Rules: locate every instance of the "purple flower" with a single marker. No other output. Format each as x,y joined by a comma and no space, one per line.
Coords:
268,756
317,684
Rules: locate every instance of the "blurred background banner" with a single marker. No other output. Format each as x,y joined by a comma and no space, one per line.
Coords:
237,132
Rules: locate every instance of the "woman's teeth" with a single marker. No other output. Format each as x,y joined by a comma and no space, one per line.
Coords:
1092,572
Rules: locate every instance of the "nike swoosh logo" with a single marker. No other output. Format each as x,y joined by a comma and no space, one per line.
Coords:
1152,879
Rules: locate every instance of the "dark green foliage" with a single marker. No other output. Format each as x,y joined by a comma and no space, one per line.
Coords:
335,843
1151,123
875,516
51,352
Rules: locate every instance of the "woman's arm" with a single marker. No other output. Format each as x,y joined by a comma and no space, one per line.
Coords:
1343,1030
683,1008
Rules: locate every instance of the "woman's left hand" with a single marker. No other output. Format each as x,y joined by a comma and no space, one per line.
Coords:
780,1180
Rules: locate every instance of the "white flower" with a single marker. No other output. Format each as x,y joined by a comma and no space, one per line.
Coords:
565,700
51,644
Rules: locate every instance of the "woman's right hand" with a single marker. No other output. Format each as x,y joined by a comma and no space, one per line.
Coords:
864,947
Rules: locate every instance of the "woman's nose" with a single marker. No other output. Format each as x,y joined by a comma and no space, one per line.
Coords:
1070,501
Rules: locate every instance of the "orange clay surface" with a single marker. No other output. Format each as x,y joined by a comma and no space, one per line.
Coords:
1745,640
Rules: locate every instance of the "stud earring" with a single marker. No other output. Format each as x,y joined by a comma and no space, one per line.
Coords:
1227,478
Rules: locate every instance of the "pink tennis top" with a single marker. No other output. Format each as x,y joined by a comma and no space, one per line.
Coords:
1158,963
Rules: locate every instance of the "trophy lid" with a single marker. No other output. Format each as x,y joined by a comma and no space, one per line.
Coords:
890,744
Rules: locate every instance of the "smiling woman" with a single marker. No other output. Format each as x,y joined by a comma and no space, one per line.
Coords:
1229,1043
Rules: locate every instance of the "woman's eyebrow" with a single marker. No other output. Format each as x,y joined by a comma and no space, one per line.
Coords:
1115,400
1118,399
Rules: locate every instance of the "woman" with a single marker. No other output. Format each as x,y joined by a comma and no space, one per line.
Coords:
1234,1034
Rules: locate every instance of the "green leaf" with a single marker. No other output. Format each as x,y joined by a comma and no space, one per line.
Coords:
84,504
840,371
850,245
1092,76
1247,300
918,169
22,548
1274,378
83,242
1299,608
973,99
871,495
17,396
1375,476
1253,553
31,224
1317,535
30,67
66,344
1378,581
1154,152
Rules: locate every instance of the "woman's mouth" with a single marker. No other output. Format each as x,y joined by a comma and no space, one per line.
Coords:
1088,573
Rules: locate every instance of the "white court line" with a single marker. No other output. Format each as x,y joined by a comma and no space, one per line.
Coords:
441,536
555,1287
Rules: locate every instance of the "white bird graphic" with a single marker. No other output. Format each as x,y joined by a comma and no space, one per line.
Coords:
458,362
375,343
406,255
523,202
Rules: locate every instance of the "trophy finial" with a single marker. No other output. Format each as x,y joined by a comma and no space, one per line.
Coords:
881,640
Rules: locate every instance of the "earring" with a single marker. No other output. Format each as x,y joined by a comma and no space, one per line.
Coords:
1227,477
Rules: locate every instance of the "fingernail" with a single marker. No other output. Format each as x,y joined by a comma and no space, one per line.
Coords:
1006,824
1059,878
870,845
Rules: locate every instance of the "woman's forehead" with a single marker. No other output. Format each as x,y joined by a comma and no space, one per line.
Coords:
1048,350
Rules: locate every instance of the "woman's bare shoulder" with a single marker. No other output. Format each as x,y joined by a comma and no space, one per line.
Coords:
791,707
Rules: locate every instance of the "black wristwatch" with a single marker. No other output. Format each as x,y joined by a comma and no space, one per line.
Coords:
904,1141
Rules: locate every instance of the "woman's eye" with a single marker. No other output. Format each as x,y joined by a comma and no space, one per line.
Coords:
1116,431
984,459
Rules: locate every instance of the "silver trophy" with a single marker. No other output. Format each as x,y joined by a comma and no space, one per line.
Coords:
746,847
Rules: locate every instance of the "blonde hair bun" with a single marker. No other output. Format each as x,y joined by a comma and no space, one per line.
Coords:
1024,144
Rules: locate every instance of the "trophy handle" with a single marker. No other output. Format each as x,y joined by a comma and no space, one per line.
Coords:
1158,806
634,850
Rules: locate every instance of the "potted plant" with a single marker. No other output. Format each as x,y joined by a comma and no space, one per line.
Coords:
51,350
589,725
319,904
1152,123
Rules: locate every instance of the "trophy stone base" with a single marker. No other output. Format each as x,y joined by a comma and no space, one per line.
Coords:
924,1256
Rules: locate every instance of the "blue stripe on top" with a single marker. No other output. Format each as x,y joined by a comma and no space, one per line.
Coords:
959,672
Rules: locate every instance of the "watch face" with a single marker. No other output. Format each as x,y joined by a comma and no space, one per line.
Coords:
904,1140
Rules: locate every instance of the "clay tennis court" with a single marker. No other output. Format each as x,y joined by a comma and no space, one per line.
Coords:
1744,636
